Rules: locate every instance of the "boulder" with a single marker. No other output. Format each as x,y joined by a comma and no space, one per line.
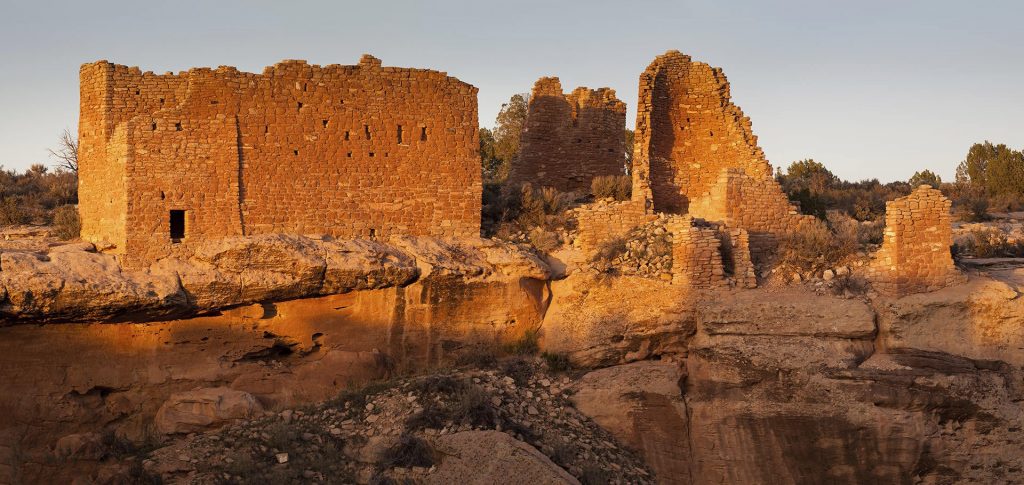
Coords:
202,409
80,446
269,267
365,265
492,458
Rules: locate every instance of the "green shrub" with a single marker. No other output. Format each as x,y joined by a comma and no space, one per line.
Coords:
618,187
66,223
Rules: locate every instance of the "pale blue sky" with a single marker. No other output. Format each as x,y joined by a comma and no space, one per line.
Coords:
870,88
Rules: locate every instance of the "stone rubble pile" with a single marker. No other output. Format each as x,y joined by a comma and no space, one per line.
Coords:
403,431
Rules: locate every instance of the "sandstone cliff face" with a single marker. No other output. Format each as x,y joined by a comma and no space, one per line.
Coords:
410,309
710,386
793,387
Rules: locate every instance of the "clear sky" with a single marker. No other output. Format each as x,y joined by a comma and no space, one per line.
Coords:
870,88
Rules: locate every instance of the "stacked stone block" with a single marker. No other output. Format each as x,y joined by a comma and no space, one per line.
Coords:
696,257
346,151
915,255
568,140
736,257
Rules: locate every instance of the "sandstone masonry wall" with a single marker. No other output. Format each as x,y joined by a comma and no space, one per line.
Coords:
570,139
347,151
604,221
915,255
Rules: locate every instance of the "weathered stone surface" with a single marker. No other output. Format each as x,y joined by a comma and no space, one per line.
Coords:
642,405
202,409
605,320
73,283
81,284
365,265
492,457
788,311
270,267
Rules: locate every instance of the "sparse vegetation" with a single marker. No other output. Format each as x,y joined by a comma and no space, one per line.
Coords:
817,191
557,362
817,247
610,249
989,243
66,223
410,451
527,344
618,187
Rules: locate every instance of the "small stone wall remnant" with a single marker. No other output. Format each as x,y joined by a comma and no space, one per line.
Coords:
570,139
696,257
915,255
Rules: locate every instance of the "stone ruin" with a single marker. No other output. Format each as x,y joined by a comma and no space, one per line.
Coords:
366,151
696,156
344,151
568,140
915,255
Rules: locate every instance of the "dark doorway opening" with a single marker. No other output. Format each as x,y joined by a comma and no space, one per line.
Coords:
177,225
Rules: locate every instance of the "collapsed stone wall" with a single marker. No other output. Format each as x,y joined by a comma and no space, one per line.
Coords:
346,151
568,140
915,255
695,153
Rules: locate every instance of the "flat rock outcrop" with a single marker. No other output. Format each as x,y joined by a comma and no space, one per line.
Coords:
76,283
202,409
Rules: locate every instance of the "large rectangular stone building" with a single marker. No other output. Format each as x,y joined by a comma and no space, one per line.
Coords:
346,151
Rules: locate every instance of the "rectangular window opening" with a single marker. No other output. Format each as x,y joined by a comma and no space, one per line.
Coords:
423,133
400,137
366,131
177,126
177,225
325,122
346,135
